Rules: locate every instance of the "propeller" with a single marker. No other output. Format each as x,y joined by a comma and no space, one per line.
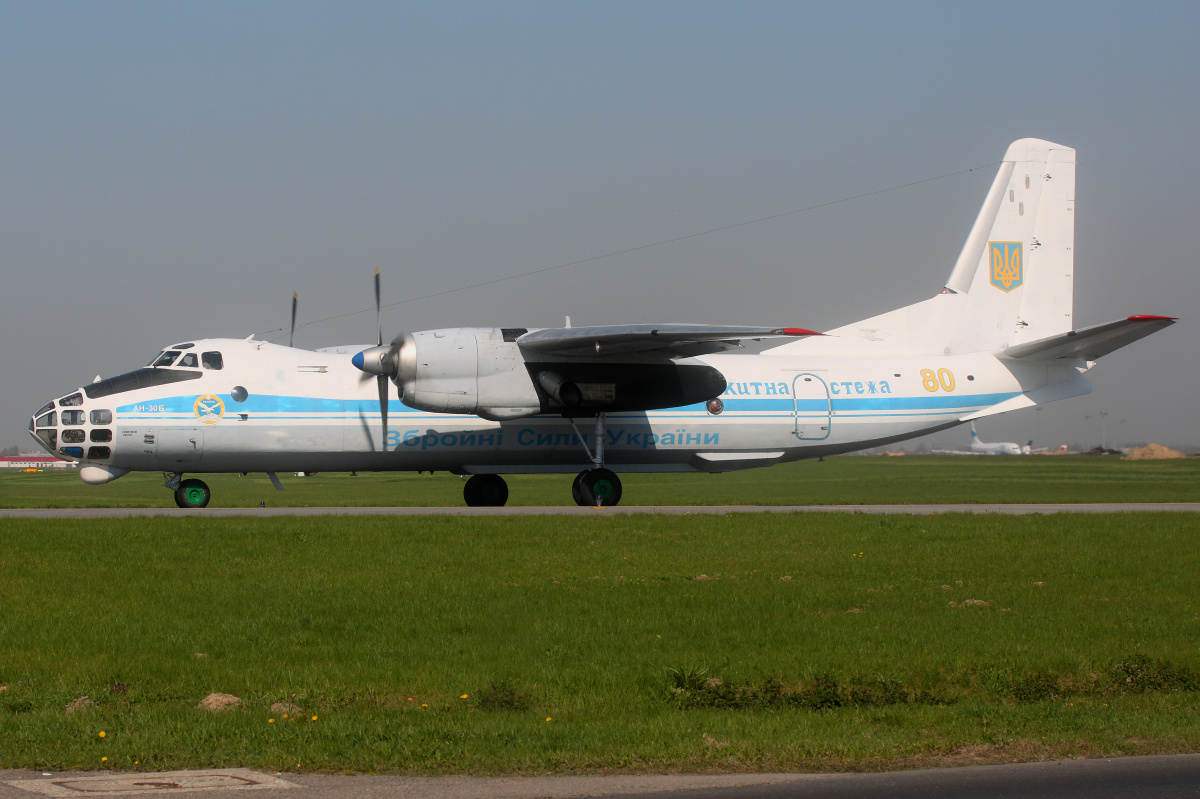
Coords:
292,335
379,360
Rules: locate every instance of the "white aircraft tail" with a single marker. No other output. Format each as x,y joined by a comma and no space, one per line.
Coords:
1013,282
1016,269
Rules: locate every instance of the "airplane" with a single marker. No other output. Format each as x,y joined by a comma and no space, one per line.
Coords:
999,448
602,400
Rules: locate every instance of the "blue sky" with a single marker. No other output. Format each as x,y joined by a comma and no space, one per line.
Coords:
170,171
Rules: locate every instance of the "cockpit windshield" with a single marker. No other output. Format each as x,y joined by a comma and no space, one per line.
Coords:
165,358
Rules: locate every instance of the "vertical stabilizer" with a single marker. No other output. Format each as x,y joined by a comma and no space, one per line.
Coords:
1017,266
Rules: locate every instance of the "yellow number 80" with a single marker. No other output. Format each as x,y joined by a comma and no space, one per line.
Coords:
943,379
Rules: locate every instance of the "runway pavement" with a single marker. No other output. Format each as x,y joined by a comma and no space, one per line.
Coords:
572,510
1157,777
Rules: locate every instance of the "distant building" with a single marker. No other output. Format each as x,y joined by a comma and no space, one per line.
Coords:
34,462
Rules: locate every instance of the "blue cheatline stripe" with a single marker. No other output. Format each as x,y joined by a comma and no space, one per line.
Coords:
181,408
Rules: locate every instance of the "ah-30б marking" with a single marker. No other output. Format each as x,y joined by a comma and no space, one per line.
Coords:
626,398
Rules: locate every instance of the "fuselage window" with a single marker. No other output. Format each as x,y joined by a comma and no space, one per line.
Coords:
49,437
101,435
72,436
49,420
212,360
100,416
165,359
99,453
188,360
71,401
72,417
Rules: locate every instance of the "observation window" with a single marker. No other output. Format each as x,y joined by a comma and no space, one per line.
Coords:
101,416
73,417
72,436
48,437
212,360
49,406
101,435
99,453
71,401
49,420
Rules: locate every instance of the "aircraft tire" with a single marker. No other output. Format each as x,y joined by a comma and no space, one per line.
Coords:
485,491
576,492
192,494
600,487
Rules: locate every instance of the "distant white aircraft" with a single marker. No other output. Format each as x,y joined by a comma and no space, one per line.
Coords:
658,397
979,447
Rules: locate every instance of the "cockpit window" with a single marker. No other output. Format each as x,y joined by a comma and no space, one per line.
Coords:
49,406
212,360
141,378
165,359
72,417
71,401
49,420
188,360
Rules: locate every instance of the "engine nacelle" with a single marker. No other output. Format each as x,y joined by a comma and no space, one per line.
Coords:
466,370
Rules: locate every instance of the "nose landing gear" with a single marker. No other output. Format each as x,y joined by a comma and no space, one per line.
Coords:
486,490
190,493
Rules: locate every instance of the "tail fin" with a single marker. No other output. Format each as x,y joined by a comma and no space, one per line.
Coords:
1016,269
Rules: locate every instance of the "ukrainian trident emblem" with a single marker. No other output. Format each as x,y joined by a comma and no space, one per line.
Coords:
1006,264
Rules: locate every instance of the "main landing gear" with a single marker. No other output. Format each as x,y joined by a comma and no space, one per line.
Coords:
189,493
596,485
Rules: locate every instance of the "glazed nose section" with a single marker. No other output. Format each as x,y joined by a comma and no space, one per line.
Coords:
44,427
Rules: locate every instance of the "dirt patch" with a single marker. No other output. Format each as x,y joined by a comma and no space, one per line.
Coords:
79,703
286,708
1154,452
215,703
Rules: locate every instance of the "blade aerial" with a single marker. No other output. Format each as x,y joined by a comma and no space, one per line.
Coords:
292,335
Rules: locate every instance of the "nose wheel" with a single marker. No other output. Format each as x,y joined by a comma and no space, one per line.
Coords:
486,491
192,494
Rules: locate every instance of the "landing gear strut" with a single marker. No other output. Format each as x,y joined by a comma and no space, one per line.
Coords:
596,485
486,490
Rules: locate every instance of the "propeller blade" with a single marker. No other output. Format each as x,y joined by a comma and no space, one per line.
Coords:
292,335
378,322
382,383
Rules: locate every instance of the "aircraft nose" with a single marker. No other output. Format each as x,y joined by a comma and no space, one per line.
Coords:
43,426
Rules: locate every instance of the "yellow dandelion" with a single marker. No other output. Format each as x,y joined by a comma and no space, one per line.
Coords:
314,718
285,715
270,721
103,759
101,733
410,699
424,705
464,696
549,719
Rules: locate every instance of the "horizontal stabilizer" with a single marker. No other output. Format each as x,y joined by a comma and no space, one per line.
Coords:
668,339
1091,342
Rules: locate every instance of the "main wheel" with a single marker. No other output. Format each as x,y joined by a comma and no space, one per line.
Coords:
599,487
486,491
192,494
577,492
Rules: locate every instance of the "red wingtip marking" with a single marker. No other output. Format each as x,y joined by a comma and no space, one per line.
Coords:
799,331
1150,318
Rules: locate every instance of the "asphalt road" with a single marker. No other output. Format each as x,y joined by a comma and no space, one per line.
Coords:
565,510
1159,777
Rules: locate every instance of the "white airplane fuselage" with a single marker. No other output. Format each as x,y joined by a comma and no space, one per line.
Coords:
304,410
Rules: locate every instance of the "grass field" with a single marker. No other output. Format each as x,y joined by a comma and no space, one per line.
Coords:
835,481
527,645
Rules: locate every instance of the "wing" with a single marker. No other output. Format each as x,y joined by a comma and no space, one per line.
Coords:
1091,342
669,340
